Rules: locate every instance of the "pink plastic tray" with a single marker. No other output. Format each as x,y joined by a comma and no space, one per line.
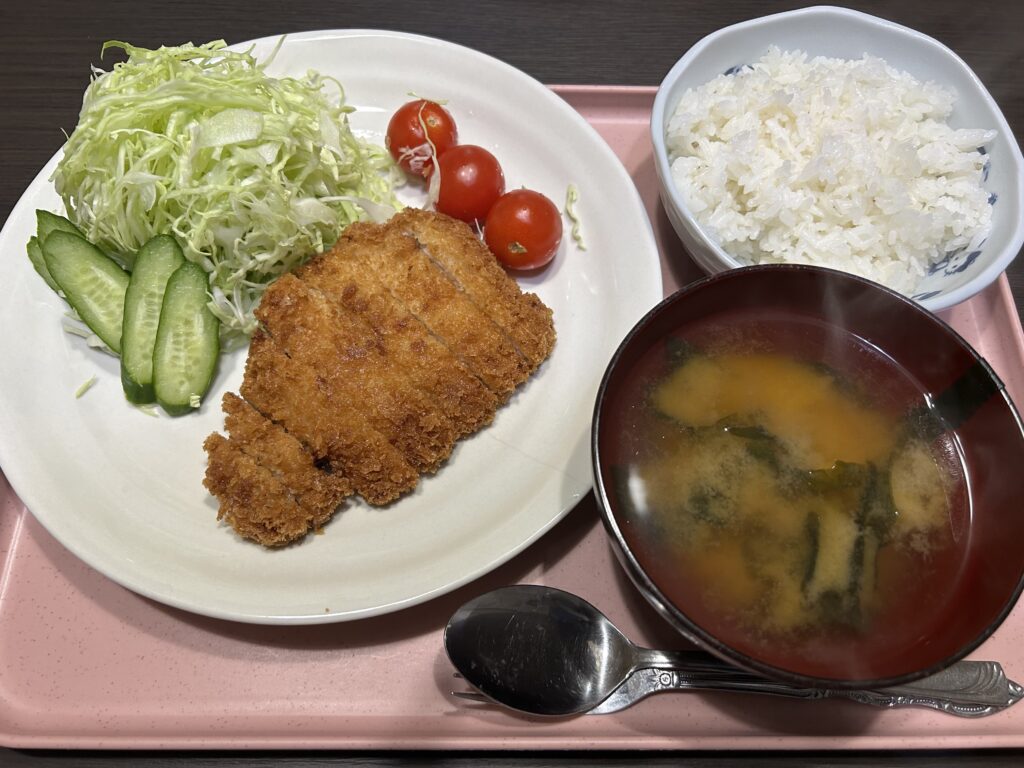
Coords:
85,663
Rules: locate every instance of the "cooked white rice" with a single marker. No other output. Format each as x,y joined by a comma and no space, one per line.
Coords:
847,164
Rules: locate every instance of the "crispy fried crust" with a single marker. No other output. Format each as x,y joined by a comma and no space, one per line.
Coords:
350,358
458,251
426,360
318,491
424,291
254,502
334,430
373,359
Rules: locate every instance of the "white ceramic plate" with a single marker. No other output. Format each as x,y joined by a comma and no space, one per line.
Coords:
123,490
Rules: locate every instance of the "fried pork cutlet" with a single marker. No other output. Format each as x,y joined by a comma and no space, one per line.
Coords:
372,360
252,500
472,267
427,361
317,491
350,359
333,430
427,293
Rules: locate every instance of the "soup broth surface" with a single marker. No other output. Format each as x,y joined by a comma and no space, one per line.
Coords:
779,495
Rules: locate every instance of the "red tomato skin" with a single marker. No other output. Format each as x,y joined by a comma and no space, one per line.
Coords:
407,142
523,229
471,181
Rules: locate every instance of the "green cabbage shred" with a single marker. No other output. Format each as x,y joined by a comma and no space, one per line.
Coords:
572,194
86,386
251,173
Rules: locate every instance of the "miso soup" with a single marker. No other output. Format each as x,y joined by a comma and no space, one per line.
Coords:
778,493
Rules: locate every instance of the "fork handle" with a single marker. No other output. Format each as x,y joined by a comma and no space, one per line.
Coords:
965,689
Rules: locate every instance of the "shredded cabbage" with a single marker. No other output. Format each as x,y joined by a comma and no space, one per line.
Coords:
253,174
572,194
86,386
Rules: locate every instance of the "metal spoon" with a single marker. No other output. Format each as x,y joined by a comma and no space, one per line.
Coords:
547,652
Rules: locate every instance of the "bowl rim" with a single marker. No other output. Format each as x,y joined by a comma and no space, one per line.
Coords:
645,585
671,195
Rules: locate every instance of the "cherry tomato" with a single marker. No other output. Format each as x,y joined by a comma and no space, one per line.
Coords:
471,180
407,141
523,229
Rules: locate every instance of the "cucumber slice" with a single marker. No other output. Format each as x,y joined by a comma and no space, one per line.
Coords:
47,223
93,283
155,262
35,255
187,341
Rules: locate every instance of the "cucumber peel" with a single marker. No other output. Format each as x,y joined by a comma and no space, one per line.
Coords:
158,259
187,342
35,255
47,223
93,283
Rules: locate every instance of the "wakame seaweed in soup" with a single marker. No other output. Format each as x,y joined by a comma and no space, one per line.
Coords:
786,501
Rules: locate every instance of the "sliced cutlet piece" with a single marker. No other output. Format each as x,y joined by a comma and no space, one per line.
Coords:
468,262
427,361
319,492
423,289
252,501
349,357
335,430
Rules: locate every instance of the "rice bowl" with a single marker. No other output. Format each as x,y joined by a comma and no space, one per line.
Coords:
961,269
841,163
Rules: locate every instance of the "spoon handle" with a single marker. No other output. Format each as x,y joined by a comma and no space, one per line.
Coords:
965,689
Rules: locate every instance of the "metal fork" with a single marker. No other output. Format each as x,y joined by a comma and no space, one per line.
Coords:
966,689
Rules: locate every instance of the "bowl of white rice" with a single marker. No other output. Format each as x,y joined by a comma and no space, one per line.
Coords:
828,137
